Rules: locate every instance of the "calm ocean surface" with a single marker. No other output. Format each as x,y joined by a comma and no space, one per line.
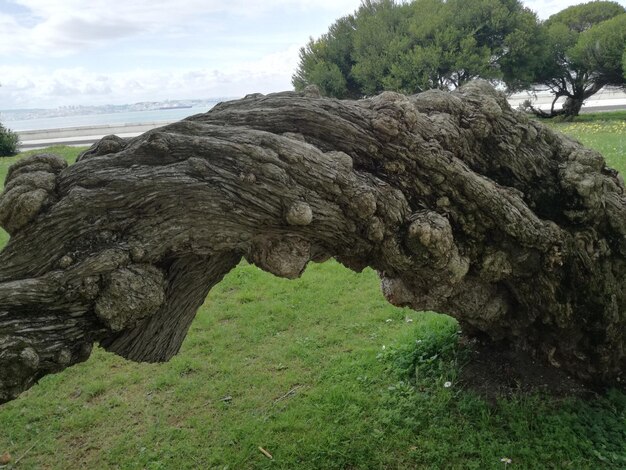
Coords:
134,117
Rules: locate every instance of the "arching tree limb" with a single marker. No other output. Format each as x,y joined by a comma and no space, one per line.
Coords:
463,206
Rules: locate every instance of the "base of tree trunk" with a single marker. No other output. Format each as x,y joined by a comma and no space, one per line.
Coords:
495,370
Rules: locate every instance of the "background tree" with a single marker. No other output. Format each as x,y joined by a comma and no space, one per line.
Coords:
584,46
423,44
379,40
463,40
328,61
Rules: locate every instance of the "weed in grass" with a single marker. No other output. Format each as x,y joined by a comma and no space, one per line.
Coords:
433,357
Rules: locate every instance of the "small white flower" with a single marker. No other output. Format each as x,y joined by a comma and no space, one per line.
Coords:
506,461
383,347
388,320
447,384
408,320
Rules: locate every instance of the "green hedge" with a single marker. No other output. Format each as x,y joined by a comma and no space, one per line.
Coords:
8,142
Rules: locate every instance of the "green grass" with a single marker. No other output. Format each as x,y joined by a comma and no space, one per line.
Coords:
603,116
367,391
606,133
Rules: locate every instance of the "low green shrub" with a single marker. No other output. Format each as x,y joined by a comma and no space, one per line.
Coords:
8,142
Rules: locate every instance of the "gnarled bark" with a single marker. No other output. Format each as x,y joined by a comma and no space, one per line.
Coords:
463,205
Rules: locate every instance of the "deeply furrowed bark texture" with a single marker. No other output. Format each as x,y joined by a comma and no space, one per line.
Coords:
462,205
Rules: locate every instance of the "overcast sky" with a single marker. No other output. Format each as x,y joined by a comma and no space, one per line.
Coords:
68,52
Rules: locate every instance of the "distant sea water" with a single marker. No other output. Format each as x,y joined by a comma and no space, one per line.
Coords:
129,117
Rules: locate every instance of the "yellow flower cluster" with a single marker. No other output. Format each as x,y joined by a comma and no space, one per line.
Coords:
599,127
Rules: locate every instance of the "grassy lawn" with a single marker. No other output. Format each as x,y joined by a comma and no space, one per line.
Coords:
321,372
607,134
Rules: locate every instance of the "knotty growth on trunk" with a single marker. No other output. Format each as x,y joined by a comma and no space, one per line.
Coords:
462,205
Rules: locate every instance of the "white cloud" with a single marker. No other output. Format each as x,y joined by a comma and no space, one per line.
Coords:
63,52
37,87
63,27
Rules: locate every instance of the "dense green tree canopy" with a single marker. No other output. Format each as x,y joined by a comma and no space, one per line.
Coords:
410,47
580,18
327,61
419,45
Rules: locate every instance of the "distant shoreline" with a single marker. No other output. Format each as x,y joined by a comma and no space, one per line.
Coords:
171,114
88,134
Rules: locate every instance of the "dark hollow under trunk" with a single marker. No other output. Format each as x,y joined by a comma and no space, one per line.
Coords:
462,205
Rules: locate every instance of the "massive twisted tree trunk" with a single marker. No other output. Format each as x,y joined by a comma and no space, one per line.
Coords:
462,205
